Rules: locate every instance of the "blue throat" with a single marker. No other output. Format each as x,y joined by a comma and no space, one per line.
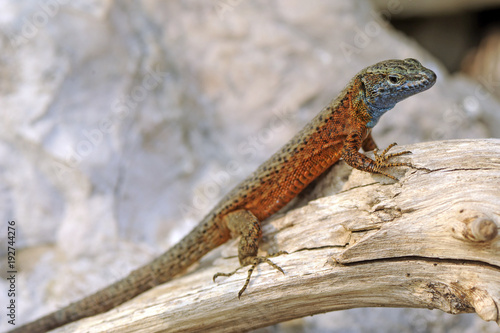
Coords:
376,113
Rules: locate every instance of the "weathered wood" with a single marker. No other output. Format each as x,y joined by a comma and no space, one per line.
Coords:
428,241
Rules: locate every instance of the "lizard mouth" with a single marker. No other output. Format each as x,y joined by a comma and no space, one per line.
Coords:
423,81
427,81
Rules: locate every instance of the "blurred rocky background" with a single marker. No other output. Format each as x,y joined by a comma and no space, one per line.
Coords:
123,122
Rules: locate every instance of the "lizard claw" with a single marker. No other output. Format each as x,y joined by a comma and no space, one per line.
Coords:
253,262
382,158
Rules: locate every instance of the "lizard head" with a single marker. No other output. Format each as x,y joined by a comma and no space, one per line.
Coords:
391,81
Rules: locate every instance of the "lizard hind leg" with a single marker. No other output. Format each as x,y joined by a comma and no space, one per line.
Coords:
244,223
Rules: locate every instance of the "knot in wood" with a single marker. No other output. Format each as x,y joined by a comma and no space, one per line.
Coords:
480,229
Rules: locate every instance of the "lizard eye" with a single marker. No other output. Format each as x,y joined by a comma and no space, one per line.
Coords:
393,79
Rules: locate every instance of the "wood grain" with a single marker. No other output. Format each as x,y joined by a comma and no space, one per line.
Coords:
429,240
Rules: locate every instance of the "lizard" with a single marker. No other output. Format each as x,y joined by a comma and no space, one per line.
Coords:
340,130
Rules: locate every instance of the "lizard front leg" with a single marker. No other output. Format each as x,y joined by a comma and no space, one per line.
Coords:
352,156
244,223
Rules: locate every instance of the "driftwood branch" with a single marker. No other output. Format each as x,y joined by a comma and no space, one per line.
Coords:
428,241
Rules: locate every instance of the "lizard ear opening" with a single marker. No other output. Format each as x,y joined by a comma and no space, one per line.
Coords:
363,84
363,90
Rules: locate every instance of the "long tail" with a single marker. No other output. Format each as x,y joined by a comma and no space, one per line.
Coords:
205,237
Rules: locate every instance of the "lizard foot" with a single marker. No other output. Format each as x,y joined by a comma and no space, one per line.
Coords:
253,262
381,160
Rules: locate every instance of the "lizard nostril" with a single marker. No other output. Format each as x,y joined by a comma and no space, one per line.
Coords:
431,76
